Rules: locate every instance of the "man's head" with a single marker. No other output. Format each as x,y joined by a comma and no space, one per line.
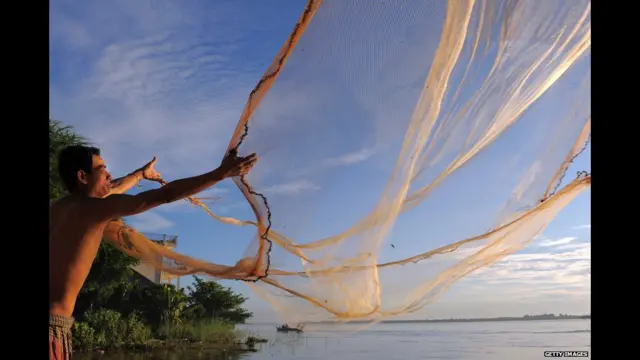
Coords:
83,171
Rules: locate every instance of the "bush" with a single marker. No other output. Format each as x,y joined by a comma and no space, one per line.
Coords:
106,328
135,331
82,336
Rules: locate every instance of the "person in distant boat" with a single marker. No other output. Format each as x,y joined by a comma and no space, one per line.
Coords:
78,220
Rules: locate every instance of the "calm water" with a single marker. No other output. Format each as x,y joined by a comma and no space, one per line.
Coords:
521,340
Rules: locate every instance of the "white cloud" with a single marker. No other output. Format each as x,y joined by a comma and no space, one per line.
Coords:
350,158
176,206
227,209
570,246
562,241
68,31
149,222
162,103
346,159
544,271
553,278
534,280
582,227
211,197
292,188
169,80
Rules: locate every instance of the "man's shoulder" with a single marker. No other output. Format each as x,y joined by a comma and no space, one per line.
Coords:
60,204
78,203
83,209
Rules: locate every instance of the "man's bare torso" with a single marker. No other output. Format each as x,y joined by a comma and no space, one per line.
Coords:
74,238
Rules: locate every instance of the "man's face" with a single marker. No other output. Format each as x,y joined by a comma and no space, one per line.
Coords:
99,181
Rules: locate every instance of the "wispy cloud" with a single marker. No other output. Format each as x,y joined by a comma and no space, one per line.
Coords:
217,191
69,32
535,280
169,80
568,267
350,158
223,209
150,222
582,227
346,159
292,188
562,241
211,197
161,89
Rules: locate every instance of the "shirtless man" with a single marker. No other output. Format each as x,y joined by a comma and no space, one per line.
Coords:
77,222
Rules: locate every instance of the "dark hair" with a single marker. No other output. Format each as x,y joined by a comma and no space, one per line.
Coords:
73,159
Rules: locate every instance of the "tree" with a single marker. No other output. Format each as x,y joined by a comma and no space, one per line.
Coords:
175,305
209,299
60,136
109,281
160,304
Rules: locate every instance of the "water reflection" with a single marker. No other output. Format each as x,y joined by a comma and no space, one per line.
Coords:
292,345
174,354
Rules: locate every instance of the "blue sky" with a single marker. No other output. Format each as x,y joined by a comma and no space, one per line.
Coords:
171,79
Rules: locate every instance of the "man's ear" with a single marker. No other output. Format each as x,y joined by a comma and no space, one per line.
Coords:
82,177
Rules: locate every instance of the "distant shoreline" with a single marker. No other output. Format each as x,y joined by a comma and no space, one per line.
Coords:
497,319
522,318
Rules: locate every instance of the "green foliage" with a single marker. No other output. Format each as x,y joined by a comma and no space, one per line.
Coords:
208,299
204,330
107,328
165,305
208,312
82,336
135,331
107,325
108,282
60,136
160,304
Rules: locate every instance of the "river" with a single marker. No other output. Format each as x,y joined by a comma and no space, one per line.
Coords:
522,340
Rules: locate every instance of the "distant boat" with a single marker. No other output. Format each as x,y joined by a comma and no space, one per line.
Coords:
287,328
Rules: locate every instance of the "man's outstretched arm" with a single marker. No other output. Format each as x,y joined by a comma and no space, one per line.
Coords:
125,183
126,205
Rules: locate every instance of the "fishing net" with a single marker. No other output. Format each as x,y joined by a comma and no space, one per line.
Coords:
402,145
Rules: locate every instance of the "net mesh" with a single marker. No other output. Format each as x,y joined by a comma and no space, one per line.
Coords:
402,146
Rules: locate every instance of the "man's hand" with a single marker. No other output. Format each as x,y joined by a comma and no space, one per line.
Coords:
123,184
149,173
232,165
126,205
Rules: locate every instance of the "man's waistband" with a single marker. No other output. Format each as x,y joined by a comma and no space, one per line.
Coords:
60,322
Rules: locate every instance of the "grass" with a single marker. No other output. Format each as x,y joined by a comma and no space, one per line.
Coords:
212,334
202,331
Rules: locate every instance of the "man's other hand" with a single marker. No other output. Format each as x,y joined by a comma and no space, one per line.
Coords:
149,173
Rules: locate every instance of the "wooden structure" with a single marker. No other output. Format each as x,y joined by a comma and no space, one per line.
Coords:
151,272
